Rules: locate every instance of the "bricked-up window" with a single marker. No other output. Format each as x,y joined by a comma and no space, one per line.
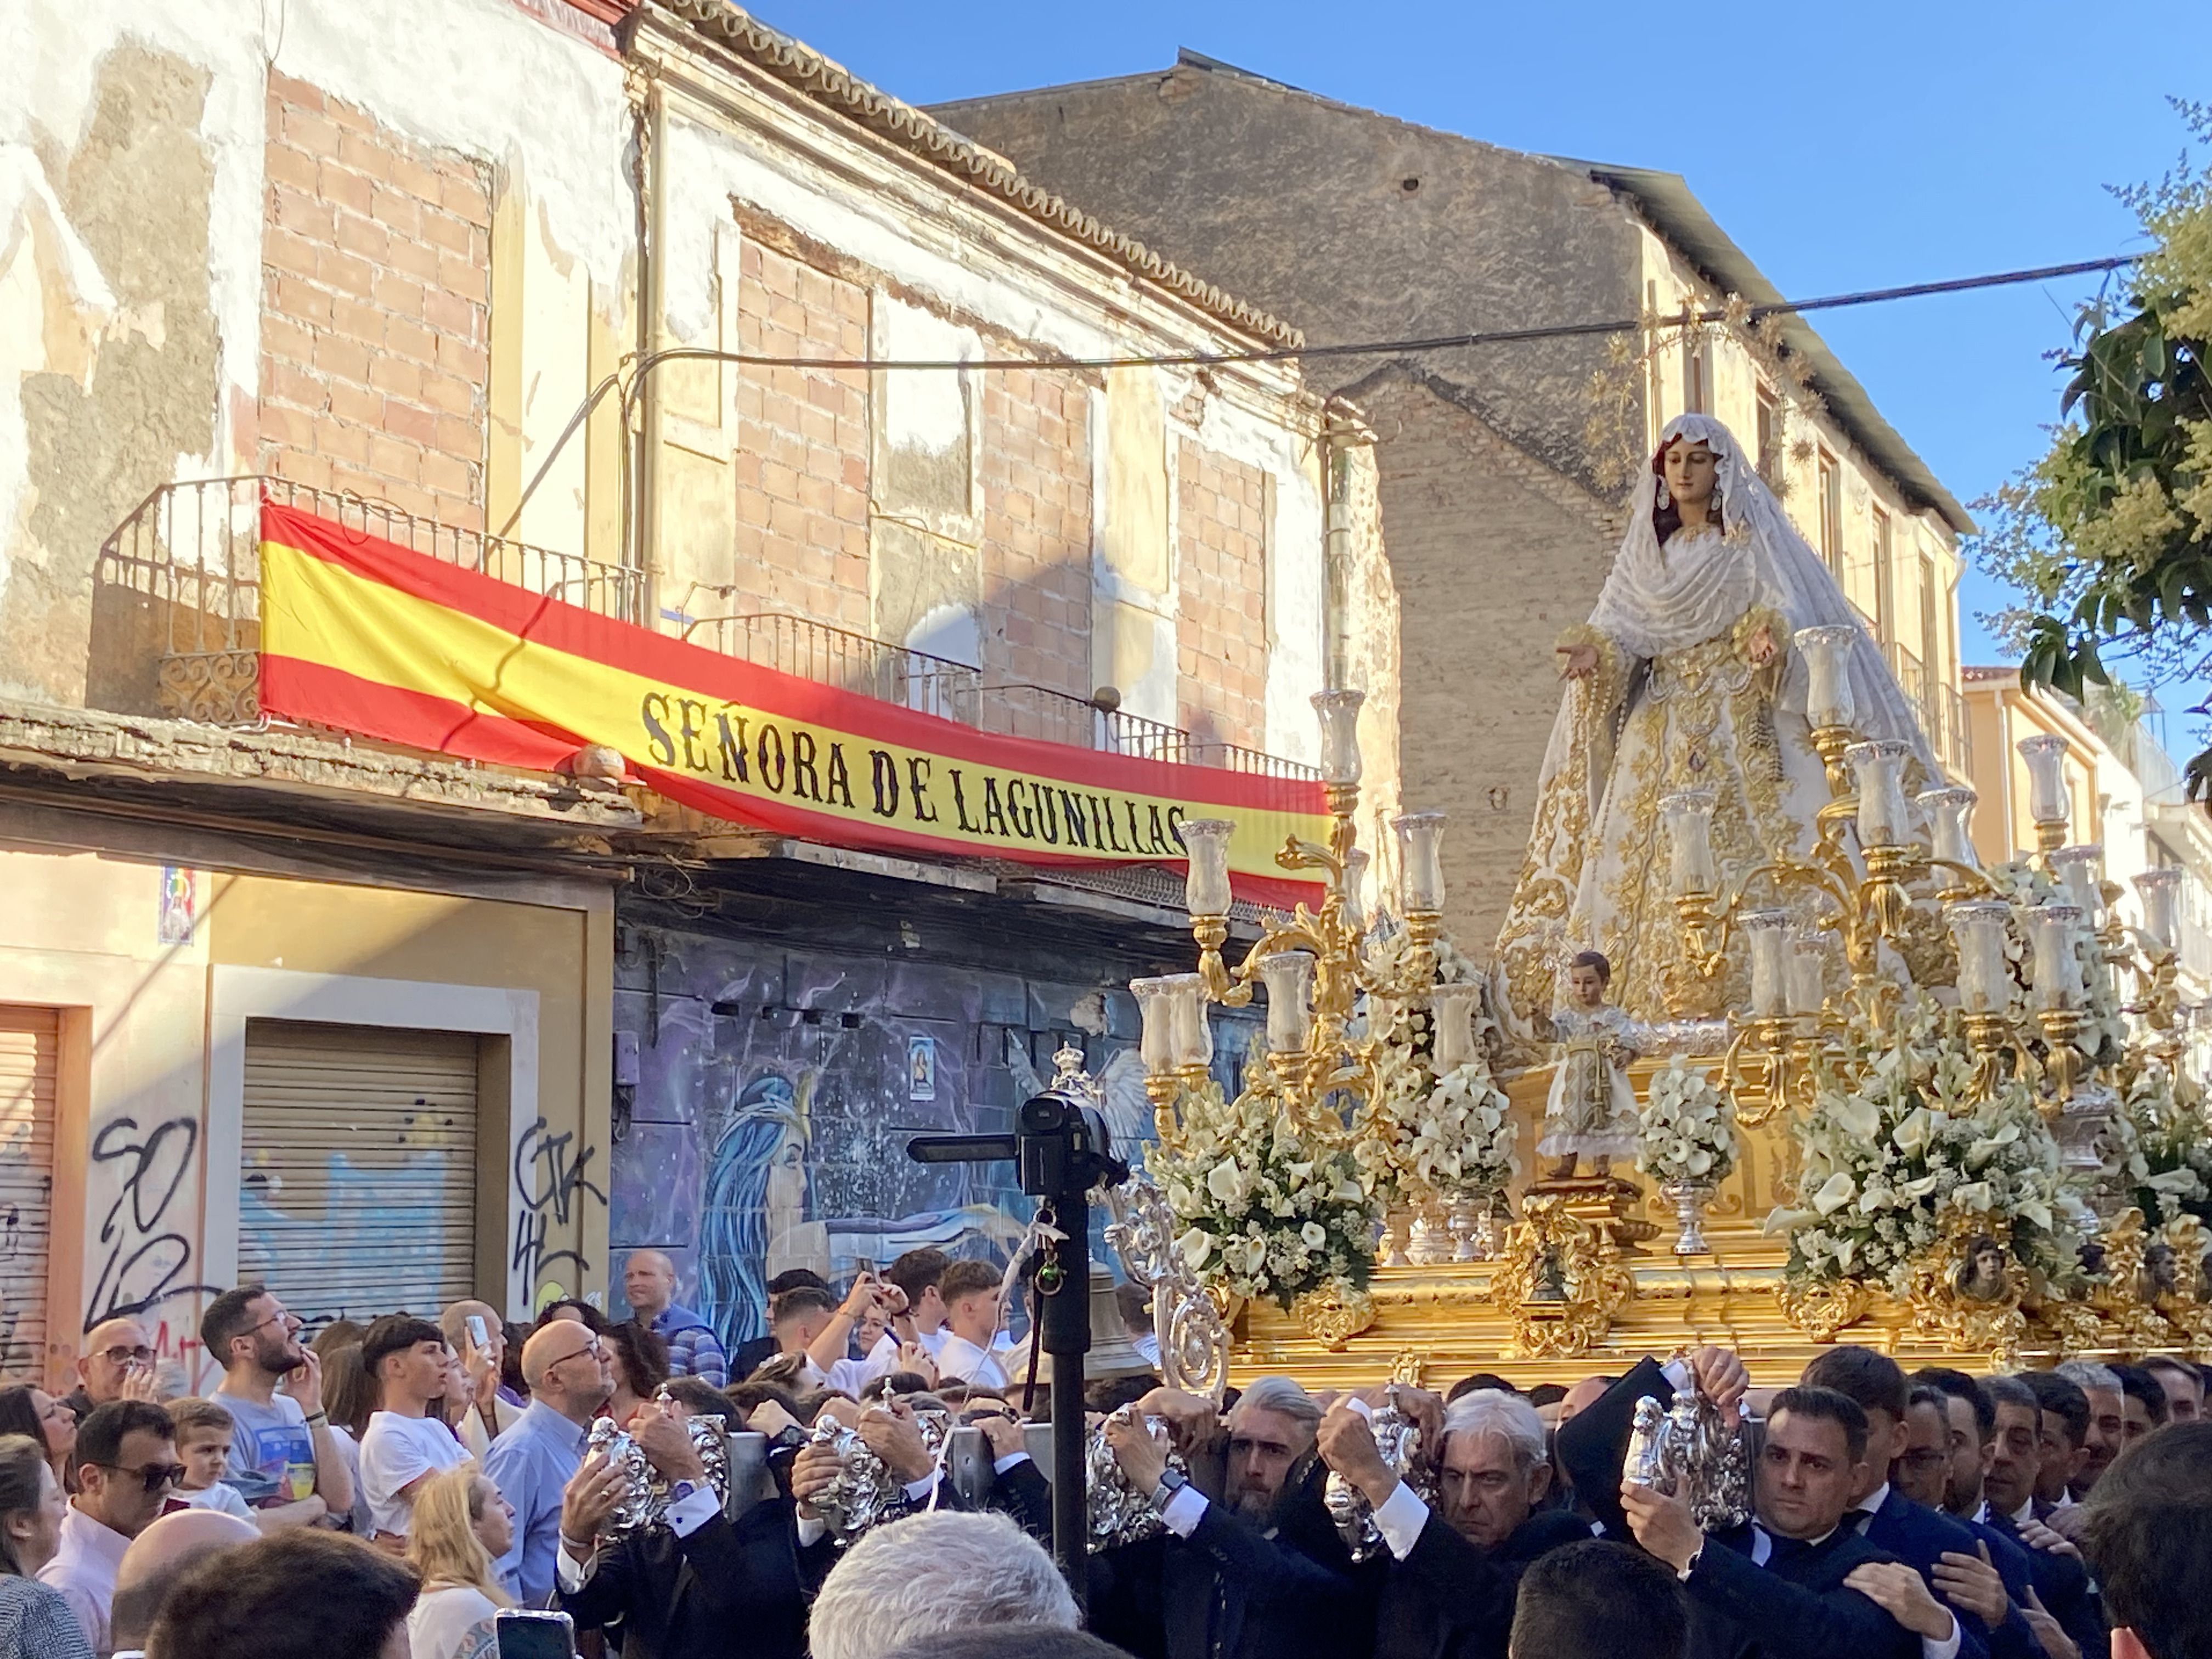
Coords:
802,459
1035,555
1221,567
376,256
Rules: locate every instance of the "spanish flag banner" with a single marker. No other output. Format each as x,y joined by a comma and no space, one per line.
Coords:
363,634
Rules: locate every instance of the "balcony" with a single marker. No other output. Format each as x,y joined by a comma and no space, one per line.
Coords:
185,570
1941,708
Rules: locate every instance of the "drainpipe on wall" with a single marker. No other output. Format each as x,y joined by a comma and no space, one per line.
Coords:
651,281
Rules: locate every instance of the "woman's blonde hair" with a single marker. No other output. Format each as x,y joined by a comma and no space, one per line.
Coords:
442,1545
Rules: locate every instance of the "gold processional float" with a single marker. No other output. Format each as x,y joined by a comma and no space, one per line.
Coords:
1986,1151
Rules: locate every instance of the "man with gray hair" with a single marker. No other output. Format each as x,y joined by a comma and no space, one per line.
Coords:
1449,1589
1257,1572
936,1572
2108,1421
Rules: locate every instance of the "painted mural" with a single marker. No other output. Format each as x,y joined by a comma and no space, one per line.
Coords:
778,1088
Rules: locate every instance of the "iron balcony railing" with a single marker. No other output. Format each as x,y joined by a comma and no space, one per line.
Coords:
182,572
1940,708
179,583
961,691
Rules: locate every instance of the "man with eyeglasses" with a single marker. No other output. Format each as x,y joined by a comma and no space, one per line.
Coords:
570,1374
117,1364
126,1467
282,1454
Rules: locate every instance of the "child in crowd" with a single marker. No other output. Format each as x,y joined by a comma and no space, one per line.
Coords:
203,1431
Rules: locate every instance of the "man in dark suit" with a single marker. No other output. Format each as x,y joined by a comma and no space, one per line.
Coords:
1791,1584
1257,1573
2044,1575
702,1586
1449,1579
1914,1534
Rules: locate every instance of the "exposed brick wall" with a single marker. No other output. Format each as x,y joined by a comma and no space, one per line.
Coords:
1221,576
1036,530
376,257
1482,598
803,443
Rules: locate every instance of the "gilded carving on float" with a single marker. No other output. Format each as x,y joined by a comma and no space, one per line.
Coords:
1561,1281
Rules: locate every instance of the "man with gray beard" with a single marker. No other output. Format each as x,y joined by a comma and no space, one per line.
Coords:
1255,1571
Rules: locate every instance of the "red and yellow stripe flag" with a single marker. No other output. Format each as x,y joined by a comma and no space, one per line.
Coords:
362,634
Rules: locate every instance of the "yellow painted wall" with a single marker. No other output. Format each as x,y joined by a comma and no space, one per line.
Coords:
80,932
564,955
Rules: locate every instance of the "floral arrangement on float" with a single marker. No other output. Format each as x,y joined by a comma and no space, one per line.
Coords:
1437,1143
2159,1150
1264,1213
1921,1183
1687,1130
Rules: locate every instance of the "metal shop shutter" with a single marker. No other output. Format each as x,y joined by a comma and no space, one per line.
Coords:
357,1193
30,1048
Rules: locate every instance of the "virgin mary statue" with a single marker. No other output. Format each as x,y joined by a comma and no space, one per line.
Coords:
1683,677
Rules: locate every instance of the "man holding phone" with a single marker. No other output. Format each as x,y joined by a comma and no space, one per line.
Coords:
473,1331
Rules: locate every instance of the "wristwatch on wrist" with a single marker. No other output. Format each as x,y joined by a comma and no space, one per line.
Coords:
682,1490
1171,1481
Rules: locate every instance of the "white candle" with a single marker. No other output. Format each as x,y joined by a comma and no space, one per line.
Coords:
1420,861
1355,888
2156,888
1688,814
1808,963
1340,734
2057,981
2048,798
1977,929
1156,1007
1947,811
1451,1012
2082,869
1827,653
1288,975
1194,1033
1205,887
1878,768
1766,936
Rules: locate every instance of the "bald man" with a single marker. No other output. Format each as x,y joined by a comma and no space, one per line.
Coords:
649,1284
117,1364
570,1374
161,1556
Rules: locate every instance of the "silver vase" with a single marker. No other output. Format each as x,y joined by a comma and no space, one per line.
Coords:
1430,1243
1690,1198
1473,1223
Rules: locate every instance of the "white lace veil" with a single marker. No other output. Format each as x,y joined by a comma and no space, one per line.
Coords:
1652,604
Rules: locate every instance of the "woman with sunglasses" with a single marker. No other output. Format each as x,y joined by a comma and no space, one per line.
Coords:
35,1622
32,1411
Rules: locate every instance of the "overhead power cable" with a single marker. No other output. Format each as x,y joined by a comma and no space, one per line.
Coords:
639,367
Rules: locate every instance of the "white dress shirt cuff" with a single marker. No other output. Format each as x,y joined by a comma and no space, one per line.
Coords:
687,1515
1678,1375
1399,1518
1000,1465
1184,1510
918,1491
1946,1648
811,1531
568,1571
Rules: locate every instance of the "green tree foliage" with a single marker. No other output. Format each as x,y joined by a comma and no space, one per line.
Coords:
2109,536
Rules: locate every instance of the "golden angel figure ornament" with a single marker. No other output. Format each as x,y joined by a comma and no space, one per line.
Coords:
1592,1110
1685,678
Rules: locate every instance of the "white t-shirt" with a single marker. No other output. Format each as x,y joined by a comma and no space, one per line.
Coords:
221,1496
396,1451
961,1361
454,1622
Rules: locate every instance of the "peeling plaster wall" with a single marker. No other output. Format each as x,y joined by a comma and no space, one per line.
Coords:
131,178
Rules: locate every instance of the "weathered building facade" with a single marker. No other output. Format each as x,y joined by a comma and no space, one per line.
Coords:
1500,520
387,1026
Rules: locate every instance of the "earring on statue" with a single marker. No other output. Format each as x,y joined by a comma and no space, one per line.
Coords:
1665,500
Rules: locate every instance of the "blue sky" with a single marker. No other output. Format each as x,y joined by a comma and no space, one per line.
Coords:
1841,148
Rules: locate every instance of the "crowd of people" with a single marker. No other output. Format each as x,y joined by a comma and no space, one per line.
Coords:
388,1489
